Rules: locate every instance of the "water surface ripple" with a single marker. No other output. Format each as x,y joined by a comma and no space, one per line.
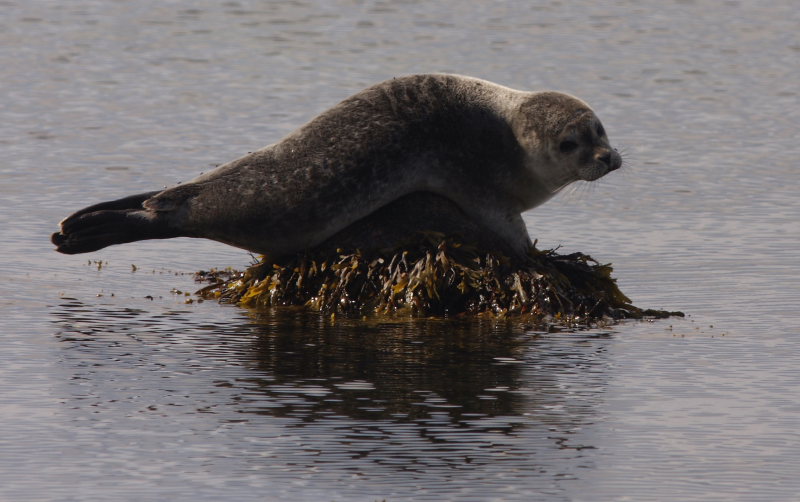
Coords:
116,388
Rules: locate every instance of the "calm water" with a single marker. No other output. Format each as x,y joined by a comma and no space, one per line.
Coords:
115,388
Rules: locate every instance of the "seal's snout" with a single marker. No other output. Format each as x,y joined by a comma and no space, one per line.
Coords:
610,159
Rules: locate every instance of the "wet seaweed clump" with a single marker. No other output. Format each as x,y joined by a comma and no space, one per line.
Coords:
435,276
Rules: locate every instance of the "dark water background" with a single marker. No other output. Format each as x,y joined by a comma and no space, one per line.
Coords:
110,395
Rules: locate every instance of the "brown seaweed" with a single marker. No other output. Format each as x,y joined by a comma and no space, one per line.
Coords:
435,276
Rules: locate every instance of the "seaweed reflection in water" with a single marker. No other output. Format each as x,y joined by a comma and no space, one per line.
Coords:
299,389
402,370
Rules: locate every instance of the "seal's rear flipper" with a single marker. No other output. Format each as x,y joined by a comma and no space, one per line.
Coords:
113,222
129,202
92,231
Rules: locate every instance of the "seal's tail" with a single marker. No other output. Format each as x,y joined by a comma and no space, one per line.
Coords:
112,222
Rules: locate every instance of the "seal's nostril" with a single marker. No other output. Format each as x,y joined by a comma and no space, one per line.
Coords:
605,158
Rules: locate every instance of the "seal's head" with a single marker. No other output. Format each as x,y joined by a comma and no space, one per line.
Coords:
563,140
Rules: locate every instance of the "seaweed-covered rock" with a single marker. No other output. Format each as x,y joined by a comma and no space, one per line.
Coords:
437,276
384,264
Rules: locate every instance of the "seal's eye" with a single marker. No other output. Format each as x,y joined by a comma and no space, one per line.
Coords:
567,146
600,130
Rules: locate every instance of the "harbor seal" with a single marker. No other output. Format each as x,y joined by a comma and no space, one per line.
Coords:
491,151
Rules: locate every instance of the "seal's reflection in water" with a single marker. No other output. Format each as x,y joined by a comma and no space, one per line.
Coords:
300,391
